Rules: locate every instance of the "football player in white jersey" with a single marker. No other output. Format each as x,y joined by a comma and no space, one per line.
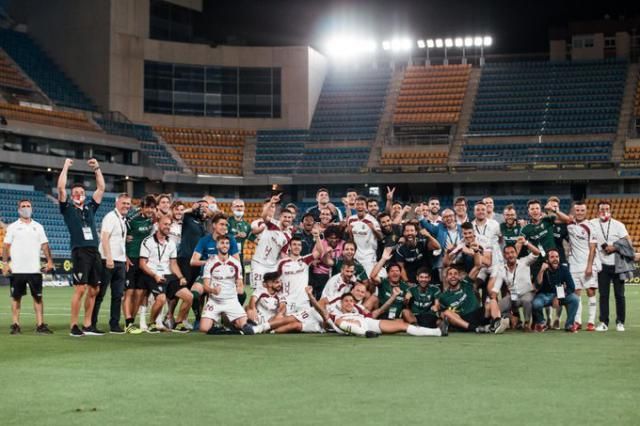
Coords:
269,303
339,284
301,321
294,273
365,232
349,319
274,239
583,260
222,276
487,231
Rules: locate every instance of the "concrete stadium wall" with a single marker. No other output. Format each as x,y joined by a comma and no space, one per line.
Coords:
75,33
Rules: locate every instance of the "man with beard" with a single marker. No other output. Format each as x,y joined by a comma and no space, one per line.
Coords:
433,211
364,230
510,229
306,234
339,284
414,252
163,206
420,301
372,207
461,308
487,231
391,233
274,239
177,214
560,231
348,254
555,287
332,246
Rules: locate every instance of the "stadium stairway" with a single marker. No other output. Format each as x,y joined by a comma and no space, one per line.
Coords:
386,120
455,150
169,149
627,116
249,158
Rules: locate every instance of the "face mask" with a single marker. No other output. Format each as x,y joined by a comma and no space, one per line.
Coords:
213,207
79,200
25,212
238,213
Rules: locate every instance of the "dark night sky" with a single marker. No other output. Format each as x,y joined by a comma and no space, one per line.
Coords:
517,26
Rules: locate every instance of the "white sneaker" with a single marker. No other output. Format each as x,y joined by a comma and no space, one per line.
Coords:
187,324
602,327
619,326
143,324
160,325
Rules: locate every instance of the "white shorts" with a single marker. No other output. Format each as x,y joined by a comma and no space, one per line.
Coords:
257,271
373,325
311,321
231,308
581,281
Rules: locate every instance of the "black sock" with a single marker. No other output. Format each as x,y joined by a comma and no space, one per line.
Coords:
128,322
242,297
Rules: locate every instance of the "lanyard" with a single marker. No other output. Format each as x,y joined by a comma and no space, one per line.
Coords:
483,230
513,276
120,222
163,250
451,239
606,236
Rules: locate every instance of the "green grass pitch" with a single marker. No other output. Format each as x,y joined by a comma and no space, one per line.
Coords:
551,378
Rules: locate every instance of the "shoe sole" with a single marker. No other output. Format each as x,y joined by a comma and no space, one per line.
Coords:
116,332
76,335
181,331
504,324
90,333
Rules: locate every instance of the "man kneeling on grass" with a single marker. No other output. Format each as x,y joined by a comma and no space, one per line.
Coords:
222,276
462,309
269,315
162,276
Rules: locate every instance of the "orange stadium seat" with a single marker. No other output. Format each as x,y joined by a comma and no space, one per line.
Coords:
67,119
208,151
414,158
432,94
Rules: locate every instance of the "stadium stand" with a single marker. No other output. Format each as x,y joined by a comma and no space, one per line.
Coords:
413,158
208,151
10,76
45,211
43,71
490,155
547,98
66,119
151,147
432,94
279,151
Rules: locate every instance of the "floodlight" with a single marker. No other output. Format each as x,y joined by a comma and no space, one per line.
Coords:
401,44
386,45
477,41
488,41
439,43
448,42
421,44
459,42
468,41
406,44
430,44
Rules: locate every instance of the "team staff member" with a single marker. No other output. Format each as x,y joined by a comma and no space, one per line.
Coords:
87,265
162,276
113,237
194,225
139,227
238,227
24,240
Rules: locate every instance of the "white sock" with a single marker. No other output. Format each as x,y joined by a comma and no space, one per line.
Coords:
351,328
578,317
592,309
423,331
142,311
262,328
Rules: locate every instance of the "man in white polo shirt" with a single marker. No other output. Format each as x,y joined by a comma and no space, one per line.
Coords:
607,231
113,238
515,274
24,241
